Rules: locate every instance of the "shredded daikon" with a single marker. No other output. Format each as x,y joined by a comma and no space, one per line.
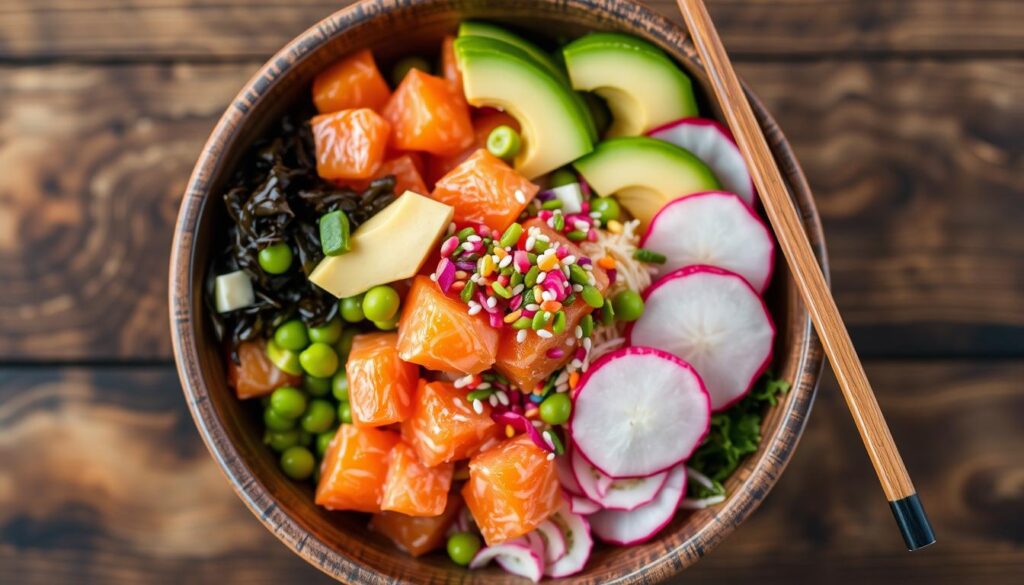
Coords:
629,272
700,504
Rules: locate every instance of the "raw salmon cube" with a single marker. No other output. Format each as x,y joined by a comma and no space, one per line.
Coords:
350,144
413,488
425,114
444,427
436,332
381,385
418,535
255,375
354,469
512,488
484,189
406,170
527,363
354,82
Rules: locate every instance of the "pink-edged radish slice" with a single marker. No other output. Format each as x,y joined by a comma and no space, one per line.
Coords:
713,228
576,531
638,411
713,144
713,319
626,527
615,494
553,540
583,505
563,466
516,557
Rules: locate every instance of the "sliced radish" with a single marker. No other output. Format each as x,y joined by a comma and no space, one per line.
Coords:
583,505
516,557
615,494
713,228
563,466
714,320
638,411
552,539
624,527
713,144
576,531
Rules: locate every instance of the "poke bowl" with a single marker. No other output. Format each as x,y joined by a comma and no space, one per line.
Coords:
480,291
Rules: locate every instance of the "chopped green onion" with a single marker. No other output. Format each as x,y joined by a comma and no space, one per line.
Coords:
521,323
500,290
467,292
540,321
334,233
531,276
479,394
559,324
552,204
577,275
587,325
504,142
511,235
649,256
465,233
592,296
577,235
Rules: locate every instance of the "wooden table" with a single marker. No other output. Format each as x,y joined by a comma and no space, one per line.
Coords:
907,117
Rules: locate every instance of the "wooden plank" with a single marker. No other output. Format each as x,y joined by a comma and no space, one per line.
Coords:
915,165
139,29
105,480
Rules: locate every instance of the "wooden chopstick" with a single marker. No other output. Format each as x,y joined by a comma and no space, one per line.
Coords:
785,221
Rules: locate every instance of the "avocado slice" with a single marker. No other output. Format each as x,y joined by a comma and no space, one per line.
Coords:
644,173
553,125
474,28
642,86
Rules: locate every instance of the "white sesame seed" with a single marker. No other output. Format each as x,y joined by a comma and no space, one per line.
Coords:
591,279
570,259
551,222
518,288
588,267
483,386
577,288
475,309
478,407
561,387
544,333
502,397
547,295
551,456
580,225
541,277
433,276
579,332
492,302
588,343
493,400
562,377
532,307
547,439
520,196
451,228
505,261
543,238
595,214
521,335
473,238
467,246
576,363
530,241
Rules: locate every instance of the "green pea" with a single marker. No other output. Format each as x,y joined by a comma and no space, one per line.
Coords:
592,296
344,345
319,416
275,259
628,305
380,303
281,440
462,547
352,309
286,360
607,207
320,360
288,402
323,440
562,177
555,409
511,235
297,463
316,386
404,66
339,385
276,422
345,413
387,325
328,333
291,335
504,142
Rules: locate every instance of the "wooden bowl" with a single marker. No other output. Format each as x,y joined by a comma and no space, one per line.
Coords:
339,543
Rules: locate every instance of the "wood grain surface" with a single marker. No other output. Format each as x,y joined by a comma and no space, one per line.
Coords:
915,166
905,115
105,481
134,30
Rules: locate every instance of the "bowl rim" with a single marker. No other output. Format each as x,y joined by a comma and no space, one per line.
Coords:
186,312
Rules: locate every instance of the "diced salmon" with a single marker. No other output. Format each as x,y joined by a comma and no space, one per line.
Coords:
380,384
350,144
353,82
438,333
439,166
450,65
484,189
512,488
413,488
256,375
417,536
425,114
444,427
406,172
527,363
354,469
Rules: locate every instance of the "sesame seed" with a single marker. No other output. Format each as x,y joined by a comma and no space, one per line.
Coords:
492,302
483,386
580,225
551,456
547,295
544,334
562,377
493,400
505,261
595,214
518,289
579,332
530,242
577,288
478,407
451,228
475,309
521,335
467,246
473,238
576,363
502,397
570,259
587,343
541,277
520,196
532,307
433,276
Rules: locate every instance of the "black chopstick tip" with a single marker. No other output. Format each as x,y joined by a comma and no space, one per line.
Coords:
913,522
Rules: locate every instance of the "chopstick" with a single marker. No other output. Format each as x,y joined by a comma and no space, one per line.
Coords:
899,490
